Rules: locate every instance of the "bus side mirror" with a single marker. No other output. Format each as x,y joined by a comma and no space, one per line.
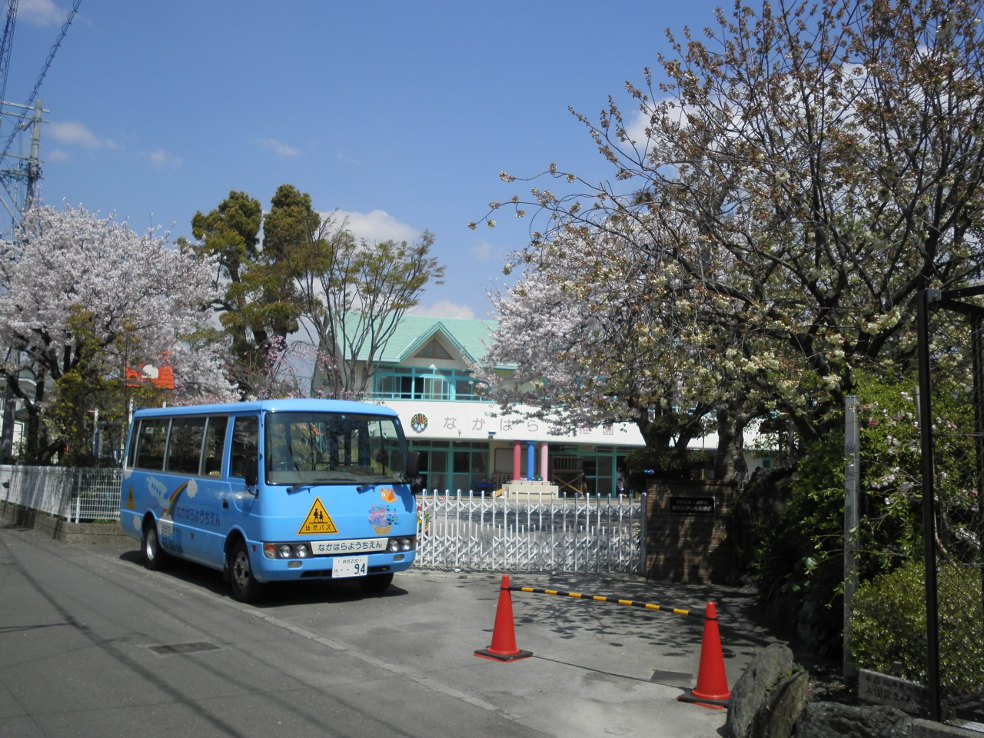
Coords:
413,465
251,473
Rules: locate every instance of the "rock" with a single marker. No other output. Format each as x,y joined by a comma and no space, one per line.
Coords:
767,669
833,720
783,705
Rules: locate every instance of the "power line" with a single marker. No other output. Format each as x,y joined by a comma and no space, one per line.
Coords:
6,44
44,71
26,169
51,54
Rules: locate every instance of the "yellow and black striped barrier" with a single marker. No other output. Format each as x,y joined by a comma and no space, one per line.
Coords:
712,679
609,600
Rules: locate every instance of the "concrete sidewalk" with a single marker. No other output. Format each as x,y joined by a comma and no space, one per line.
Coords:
595,669
615,669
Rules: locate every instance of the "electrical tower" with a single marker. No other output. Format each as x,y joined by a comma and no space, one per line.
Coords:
20,174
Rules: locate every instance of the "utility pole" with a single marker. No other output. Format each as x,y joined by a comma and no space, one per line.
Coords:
33,165
24,169
852,481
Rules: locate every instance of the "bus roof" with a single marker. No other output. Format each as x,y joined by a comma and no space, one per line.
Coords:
291,405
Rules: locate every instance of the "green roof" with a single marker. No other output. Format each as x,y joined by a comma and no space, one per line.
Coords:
468,336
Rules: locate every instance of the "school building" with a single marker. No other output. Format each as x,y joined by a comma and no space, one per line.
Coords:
465,443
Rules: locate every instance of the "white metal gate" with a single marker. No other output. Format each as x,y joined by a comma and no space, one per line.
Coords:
535,533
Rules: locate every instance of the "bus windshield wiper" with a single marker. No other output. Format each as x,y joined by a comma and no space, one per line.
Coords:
334,479
365,486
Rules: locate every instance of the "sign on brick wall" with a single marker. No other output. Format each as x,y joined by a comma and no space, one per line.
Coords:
692,505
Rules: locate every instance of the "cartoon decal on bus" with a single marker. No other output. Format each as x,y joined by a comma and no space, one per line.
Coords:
275,490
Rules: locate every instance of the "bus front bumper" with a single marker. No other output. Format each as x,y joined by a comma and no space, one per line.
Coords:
329,567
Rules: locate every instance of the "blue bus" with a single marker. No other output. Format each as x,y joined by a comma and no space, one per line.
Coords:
274,490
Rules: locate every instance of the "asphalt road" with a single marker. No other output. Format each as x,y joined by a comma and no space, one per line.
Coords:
91,643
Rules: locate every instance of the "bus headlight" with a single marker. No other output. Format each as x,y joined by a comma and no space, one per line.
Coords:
286,550
396,545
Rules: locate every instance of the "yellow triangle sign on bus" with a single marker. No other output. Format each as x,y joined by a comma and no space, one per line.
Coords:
317,521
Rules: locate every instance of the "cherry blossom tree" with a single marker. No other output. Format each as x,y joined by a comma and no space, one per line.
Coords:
599,331
802,172
84,298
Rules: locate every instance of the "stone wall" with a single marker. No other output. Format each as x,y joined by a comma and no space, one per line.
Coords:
61,530
771,699
687,531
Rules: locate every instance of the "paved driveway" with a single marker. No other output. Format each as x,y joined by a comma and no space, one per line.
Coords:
93,641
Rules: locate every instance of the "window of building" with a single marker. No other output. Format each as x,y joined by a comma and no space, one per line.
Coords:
448,466
434,350
424,383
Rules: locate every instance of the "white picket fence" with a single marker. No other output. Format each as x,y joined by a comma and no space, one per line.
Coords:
73,494
456,531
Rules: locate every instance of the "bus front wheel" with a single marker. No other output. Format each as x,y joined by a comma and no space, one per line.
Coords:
155,557
245,588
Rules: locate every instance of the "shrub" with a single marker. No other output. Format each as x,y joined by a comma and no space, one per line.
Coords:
889,626
799,564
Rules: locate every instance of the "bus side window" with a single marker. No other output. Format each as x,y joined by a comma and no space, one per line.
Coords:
214,445
245,446
152,441
184,448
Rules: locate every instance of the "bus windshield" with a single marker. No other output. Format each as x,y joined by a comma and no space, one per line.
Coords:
305,448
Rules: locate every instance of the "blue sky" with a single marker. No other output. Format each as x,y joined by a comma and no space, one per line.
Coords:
398,114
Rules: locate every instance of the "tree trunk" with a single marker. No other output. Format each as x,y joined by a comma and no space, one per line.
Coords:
729,460
7,428
35,436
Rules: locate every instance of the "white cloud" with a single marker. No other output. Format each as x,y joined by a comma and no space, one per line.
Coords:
639,121
636,126
483,251
280,149
161,159
58,155
444,309
41,13
377,225
76,134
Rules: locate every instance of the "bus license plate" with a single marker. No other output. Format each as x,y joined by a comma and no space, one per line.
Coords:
353,566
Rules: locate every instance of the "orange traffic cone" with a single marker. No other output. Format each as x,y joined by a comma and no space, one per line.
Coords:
712,681
503,647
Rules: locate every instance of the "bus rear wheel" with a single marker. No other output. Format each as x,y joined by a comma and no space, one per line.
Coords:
245,588
155,557
377,583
